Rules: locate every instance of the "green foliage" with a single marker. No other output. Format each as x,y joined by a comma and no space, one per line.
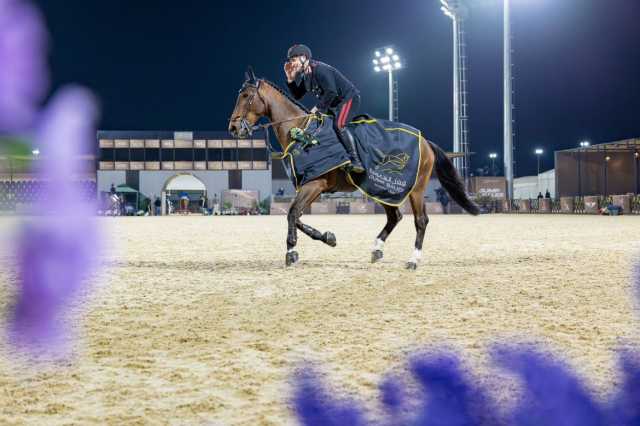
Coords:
15,147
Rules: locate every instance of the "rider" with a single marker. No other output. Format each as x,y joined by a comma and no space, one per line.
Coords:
336,93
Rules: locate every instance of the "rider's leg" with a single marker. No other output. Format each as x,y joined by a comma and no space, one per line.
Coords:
345,113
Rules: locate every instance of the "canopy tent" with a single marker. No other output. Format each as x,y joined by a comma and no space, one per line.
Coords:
124,189
185,182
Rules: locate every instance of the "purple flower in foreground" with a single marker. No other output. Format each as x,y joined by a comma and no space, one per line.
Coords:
392,396
23,70
450,397
624,409
315,408
552,393
58,251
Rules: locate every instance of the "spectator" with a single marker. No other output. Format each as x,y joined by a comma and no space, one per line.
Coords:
215,205
280,192
443,199
112,190
547,194
540,197
203,204
157,204
184,203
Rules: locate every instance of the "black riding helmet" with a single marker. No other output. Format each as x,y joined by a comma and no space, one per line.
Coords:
298,50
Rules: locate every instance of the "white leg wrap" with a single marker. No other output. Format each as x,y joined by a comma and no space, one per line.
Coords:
290,250
416,256
378,245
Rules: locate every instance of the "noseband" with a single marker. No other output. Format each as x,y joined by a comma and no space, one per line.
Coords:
244,123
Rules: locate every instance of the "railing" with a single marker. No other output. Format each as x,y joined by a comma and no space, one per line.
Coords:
575,205
635,204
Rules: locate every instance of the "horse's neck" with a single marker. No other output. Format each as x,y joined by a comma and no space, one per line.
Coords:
283,112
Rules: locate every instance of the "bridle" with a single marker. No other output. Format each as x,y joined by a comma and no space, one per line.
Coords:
244,123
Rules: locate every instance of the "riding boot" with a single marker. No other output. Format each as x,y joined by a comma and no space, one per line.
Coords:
349,142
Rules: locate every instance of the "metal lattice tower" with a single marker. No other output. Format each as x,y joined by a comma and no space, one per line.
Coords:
456,10
463,106
395,97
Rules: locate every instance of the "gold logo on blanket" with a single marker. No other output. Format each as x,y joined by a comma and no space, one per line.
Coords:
393,162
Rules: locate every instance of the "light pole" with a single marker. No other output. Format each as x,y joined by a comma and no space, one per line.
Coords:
606,166
386,59
539,152
584,145
636,156
493,157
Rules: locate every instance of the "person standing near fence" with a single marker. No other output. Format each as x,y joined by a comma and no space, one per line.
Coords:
157,204
443,199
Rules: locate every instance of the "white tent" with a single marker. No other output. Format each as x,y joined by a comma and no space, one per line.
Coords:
185,182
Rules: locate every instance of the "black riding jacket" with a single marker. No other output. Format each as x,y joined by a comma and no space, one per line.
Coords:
328,84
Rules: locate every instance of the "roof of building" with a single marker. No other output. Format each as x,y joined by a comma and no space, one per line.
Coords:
168,134
625,145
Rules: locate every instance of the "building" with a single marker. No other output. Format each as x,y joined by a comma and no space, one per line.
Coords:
603,169
165,164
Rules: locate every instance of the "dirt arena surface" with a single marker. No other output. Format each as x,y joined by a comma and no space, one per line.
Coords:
195,320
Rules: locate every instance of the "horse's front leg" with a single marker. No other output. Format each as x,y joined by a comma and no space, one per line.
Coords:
307,194
328,237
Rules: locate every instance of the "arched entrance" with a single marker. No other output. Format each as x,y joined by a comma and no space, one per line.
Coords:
183,193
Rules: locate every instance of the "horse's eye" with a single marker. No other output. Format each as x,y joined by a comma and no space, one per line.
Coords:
244,95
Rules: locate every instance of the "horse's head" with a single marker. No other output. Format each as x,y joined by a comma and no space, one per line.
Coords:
250,107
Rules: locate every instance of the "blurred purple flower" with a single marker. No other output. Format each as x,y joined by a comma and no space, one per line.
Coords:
23,69
56,253
392,396
552,393
315,408
624,408
450,398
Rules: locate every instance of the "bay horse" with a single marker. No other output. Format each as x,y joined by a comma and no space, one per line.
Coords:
259,98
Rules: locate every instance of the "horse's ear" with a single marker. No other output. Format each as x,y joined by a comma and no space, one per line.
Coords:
251,76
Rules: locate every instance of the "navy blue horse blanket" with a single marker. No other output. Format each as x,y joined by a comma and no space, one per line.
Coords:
390,153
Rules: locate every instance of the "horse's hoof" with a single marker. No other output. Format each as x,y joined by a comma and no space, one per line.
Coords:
329,239
376,255
291,258
412,266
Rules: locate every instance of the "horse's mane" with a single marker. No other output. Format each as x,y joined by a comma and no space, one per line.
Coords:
286,95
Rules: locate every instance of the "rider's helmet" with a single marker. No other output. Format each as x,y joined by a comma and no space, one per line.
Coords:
298,50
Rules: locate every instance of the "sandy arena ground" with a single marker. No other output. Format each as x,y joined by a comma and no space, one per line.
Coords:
196,321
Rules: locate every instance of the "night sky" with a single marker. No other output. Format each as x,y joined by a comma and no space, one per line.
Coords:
158,66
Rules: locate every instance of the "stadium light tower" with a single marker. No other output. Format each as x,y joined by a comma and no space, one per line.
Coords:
583,145
456,11
493,157
508,101
539,152
387,59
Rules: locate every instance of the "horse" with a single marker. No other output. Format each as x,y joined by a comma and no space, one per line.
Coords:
258,98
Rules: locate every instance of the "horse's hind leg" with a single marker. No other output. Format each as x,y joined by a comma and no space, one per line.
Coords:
421,221
393,218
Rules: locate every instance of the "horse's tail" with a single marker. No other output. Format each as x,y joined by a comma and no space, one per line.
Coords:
451,181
